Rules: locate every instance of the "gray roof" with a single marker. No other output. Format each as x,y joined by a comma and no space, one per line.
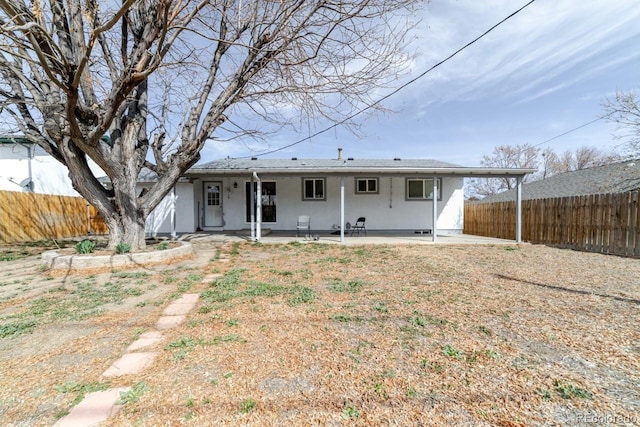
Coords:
614,178
344,166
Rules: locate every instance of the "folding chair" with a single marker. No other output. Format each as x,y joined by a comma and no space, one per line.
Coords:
304,223
359,225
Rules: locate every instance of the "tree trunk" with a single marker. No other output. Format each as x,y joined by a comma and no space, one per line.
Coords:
126,228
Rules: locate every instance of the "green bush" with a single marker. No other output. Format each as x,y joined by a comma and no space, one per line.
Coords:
162,246
85,247
123,248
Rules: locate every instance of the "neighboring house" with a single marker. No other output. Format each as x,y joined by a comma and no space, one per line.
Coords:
613,178
27,167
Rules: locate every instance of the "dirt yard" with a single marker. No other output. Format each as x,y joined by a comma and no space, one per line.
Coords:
314,334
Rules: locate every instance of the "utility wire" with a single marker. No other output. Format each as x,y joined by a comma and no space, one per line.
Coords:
393,92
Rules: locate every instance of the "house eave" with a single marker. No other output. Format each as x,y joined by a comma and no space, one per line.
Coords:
341,171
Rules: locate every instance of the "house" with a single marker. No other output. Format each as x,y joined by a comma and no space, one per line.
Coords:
618,177
25,166
395,196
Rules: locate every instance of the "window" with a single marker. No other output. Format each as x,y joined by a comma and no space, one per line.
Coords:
313,189
422,189
366,185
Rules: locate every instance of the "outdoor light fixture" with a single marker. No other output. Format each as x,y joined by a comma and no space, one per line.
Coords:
235,185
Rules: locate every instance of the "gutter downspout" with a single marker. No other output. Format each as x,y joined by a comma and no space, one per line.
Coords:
252,215
258,208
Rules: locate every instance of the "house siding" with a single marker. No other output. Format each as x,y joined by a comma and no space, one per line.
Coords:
386,210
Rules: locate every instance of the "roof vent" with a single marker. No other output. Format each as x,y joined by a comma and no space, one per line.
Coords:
349,158
254,158
294,158
339,153
397,159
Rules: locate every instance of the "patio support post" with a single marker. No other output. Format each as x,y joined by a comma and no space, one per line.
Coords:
342,209
519,209
434,220
252,203
173,213
258,208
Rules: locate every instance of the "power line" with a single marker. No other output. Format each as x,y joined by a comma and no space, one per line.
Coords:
393,92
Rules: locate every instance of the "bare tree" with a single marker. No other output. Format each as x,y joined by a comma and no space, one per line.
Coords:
148,83
504,156
624,110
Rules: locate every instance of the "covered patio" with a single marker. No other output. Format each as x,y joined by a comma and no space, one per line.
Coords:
372,238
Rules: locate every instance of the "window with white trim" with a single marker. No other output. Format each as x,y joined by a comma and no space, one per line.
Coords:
422,189
313,189
366,185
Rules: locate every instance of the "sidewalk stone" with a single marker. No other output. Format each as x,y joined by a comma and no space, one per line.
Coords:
94,409
168,322
130,363
147,339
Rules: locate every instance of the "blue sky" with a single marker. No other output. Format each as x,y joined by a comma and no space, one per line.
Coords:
538,75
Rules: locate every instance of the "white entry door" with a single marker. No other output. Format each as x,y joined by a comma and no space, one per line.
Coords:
213,204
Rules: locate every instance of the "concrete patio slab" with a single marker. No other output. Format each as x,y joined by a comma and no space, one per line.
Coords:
95,408
130,363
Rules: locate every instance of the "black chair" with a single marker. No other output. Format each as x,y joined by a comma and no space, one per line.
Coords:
358,226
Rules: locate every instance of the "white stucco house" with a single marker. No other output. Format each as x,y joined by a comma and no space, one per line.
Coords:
395,196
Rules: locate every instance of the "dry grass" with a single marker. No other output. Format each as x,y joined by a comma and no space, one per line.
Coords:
379,335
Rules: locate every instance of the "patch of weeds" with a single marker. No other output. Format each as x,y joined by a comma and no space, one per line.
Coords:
302,295
162,246
134,394
342,318
227,375
380,307
485,330
422,320
189,403
232,322
123,248
80,390
345,260
136,292
510,248
131,274
412,393
257,289
431,365
450,351
142,304
235,248
85,247
247,405
325,260
281,272
381,390
194,322
353,286
224,288
349,411
295,244
205,309
569,391
492,354
17,328
544,394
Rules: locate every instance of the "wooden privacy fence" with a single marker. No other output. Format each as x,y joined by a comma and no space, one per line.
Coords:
29,217
605,223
